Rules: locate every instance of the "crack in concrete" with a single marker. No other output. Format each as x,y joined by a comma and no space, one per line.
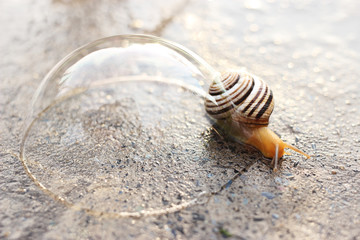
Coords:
159,29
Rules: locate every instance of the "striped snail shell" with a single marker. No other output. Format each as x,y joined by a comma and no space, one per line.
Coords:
242,104
241,96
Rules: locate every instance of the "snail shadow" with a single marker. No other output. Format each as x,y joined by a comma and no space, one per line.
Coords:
228,153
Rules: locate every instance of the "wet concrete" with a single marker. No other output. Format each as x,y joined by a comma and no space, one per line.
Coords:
308,53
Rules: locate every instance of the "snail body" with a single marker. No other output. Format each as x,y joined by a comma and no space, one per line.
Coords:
242,104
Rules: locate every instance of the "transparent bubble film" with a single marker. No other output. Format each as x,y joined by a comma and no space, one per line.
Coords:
118,127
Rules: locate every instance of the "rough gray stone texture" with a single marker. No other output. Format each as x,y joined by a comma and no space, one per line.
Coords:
308,52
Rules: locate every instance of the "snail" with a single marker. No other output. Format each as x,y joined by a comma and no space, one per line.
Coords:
242,104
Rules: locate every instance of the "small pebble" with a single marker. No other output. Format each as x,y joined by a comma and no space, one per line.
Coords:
278,180
333,172
288,174
198,217
228,184
268,195
313,145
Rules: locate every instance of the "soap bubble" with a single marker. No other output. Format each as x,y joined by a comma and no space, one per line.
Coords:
118,127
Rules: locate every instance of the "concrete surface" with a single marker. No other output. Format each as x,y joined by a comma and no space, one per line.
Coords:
308,52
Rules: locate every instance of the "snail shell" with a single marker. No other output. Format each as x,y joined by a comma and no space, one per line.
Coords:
242,104
243,97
